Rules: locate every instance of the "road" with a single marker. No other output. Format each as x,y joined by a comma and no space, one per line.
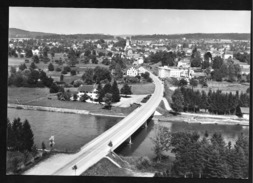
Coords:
98,148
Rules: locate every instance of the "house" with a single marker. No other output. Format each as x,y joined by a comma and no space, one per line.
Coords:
166,72
245,112
132,72
185,63
228,54
36,52
85,88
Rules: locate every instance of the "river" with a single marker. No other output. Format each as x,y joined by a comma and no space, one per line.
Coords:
72,131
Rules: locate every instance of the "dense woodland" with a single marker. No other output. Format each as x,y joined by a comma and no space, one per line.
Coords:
202,157
19,136
215,102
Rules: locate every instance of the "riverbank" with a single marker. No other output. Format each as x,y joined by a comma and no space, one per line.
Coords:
63,110
204,119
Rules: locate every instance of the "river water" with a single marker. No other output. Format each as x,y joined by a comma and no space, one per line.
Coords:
72,131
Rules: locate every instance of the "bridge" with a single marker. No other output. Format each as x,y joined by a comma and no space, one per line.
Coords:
99,147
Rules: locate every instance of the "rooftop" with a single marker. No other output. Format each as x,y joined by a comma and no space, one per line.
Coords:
245,110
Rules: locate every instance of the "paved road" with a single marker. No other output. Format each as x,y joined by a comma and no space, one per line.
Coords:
98,148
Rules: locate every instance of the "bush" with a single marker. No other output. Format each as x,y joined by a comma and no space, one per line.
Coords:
58,69
78,82
67,69
54,88
143,163
50,67
73,72
64,72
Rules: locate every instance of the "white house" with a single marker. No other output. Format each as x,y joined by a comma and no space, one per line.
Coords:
140,60
132,72
164,72
185,63
245,112
36,52
228,54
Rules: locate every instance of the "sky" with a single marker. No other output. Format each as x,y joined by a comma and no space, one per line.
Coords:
128,21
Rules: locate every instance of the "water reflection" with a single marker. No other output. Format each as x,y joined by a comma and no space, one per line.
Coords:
71,131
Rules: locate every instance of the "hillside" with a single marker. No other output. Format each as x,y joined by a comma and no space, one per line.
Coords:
19,33
232,36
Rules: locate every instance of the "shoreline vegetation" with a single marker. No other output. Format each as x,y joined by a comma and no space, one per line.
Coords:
62,110
184,117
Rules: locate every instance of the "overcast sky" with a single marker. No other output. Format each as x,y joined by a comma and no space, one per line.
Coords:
128,21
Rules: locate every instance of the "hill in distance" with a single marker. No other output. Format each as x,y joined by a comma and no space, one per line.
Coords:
19,33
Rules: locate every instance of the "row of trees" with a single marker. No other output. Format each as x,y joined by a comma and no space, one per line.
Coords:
186,99
166,58
29,77
96,75
203,157
19,135
245,57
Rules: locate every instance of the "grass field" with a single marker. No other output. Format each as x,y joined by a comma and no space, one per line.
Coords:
224,86
141,89
39,97
15,61
23,95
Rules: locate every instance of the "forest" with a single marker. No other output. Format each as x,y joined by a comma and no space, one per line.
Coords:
203,157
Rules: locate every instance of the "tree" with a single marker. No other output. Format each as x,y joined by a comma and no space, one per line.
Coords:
108,100
101,73
28,53
193,82
36,59
27,136
178,100
33,66
217,76
73,72
196,62
61,77
17,131
161,141
182,82
205,65
84,97
217,62
10,135
126,90
100,93
43,146
118,72
72,58
22,67
107,88
88,76
115,92
50,67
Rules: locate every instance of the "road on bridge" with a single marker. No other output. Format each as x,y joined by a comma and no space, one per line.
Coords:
98,148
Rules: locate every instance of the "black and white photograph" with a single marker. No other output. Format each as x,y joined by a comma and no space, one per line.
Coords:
128,92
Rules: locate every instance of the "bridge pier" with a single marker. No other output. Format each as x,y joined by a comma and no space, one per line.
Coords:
155,120
130,140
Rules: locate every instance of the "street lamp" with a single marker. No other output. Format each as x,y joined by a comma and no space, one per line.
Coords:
74,168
